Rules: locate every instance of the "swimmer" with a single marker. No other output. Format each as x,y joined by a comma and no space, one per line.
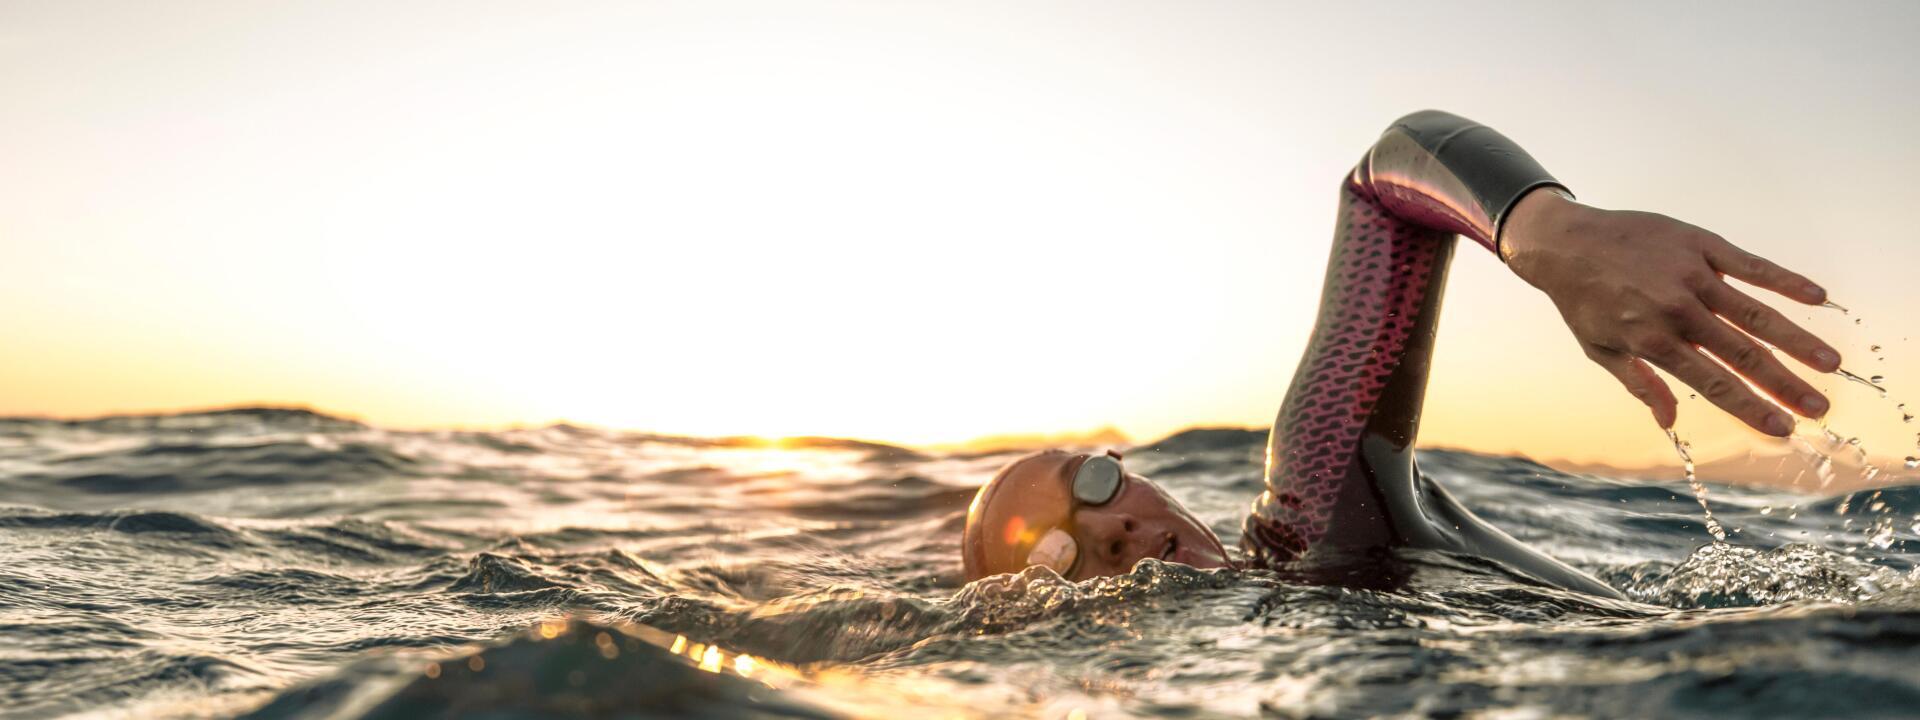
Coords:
1343,492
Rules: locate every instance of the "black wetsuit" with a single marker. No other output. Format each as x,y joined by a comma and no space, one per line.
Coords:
1343,490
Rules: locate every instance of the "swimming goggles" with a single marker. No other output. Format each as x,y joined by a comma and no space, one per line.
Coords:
1096,483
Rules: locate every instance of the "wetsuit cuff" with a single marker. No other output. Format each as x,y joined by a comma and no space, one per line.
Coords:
1500,219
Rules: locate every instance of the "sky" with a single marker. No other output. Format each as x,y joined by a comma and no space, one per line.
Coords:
910,222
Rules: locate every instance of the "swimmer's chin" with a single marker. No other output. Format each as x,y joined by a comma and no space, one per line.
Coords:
1204,558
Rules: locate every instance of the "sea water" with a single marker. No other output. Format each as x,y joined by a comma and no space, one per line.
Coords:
285,564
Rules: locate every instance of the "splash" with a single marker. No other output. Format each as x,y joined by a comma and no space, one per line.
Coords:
1822,460
1699,490
1722,575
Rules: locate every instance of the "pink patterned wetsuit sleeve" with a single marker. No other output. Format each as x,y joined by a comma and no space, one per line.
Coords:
1341,485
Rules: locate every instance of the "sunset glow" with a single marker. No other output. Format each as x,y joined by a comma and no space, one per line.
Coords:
903,222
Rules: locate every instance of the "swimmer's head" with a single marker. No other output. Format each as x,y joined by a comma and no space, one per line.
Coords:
1043,510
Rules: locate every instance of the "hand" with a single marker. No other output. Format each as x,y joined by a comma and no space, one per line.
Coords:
1639,288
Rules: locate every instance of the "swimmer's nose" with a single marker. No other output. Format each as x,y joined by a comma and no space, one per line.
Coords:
1116,537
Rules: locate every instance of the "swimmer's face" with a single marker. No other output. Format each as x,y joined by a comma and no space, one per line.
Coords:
1028,515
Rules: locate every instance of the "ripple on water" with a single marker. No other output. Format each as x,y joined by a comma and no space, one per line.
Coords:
312,567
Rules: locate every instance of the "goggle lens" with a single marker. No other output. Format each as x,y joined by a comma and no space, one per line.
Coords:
1097,481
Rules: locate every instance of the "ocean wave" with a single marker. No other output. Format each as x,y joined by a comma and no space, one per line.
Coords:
313,566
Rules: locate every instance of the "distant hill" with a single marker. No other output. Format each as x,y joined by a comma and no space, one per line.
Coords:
1207,438
1099,438
1784,471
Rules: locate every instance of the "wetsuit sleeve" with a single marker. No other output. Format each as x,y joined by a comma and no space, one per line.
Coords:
1339,471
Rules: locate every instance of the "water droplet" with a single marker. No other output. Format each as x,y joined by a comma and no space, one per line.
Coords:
1877,379
1856,321
1842,372
1768,510
1912,462
1853,441
1691,396
1873,348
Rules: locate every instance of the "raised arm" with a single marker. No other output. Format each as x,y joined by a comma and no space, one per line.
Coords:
1633,287
1340,476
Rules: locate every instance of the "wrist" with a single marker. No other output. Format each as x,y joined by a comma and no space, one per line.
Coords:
1532,220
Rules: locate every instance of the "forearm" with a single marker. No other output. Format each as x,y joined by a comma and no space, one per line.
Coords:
1362,376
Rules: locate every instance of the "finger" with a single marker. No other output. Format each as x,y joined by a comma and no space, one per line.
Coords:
1727,258
1759,365
1641,381
1768,324
1720,387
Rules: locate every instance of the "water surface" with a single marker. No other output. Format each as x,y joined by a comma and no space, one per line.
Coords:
291,565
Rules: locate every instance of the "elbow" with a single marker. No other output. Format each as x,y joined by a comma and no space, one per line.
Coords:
1419,134
1429,123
